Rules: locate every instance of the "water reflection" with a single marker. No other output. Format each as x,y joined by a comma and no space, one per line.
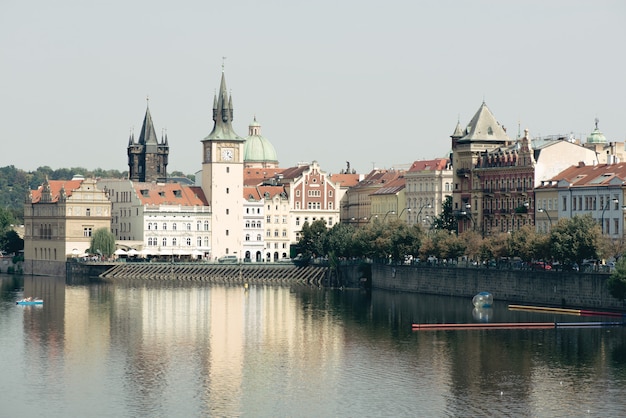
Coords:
138,348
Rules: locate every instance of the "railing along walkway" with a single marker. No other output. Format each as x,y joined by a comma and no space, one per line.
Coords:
220,273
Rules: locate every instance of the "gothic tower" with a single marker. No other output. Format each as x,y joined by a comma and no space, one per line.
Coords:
147,158
222,177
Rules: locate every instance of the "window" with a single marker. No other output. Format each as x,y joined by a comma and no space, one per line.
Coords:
268,219
284,219
87,212
268,233
174,226
189,242
174,242
298,221
247,224
227,232
206,225
164,226
258,237
297,193
564,203
87,232
199,242
164,242
227,190
247,237
284,233
189,227
198,226
276,232
206,241
227,211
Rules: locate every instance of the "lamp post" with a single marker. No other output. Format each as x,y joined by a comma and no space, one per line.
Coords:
468,214
425,205
400,216
542,210
604,210
386,214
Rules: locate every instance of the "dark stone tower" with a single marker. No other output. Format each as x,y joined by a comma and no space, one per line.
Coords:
147,159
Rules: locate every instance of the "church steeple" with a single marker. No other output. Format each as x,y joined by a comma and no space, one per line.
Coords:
223,114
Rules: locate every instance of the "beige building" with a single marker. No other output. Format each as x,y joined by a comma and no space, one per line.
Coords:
59,220
389,201
428,182
356,204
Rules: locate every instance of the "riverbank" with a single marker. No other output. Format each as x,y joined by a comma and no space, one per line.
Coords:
563,289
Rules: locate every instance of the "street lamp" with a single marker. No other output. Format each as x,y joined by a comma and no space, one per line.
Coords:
400,216
542,210
468,214
425,205
391,211
604,210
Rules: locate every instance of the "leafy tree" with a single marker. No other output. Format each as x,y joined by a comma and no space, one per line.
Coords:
527,244
312,238
339,241
11,242
446,220
617,281
103,242
472,242
576,239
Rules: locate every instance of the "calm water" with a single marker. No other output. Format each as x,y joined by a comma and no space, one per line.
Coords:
146,349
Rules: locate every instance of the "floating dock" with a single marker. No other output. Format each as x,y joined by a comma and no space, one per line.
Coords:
513,325
563,311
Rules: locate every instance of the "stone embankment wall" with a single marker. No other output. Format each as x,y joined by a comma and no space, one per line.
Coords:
544,288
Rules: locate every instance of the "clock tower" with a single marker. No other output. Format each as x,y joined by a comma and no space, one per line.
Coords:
222,177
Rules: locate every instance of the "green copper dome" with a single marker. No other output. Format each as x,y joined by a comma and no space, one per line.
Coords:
258,149
596,137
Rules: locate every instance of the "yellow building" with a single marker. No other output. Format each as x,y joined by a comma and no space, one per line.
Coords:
59,220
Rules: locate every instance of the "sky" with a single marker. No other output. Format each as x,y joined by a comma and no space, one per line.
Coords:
376,84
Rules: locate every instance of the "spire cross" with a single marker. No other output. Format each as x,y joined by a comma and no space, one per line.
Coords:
223,62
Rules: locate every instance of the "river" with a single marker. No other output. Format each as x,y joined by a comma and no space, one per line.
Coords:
165,349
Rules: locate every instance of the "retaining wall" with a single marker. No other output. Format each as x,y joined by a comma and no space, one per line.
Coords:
546,288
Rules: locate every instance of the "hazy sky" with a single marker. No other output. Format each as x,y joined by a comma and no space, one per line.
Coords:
376,83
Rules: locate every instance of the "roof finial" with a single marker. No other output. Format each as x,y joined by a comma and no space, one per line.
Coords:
597,120
223,62
147,100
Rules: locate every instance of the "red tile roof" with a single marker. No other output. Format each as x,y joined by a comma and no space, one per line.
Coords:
170,194
55,189
437,164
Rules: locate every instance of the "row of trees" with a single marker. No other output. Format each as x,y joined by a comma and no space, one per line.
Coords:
571,241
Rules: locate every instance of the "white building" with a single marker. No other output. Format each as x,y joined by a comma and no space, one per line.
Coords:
160,219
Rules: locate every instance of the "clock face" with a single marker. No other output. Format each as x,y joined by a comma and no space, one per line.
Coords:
227,154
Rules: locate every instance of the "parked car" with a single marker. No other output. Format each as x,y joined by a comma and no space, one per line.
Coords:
540,265
228,259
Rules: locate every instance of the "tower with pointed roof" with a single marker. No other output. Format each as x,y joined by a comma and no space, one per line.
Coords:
222,177
483,133
147,158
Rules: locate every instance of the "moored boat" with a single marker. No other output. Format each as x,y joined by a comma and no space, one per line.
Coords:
30,301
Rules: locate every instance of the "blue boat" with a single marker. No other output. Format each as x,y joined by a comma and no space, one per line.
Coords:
29,301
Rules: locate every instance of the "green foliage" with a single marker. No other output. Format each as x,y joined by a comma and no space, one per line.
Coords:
11,242
312,238
527,244
446,220
102,242
576,239
617,282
